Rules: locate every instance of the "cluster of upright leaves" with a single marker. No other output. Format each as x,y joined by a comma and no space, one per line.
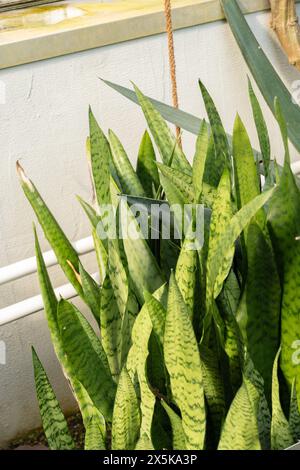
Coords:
185,350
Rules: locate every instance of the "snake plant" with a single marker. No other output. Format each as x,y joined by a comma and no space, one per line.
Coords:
195,346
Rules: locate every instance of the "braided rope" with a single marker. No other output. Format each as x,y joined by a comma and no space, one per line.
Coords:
172,62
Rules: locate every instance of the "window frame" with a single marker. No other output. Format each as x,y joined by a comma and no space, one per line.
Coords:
11,5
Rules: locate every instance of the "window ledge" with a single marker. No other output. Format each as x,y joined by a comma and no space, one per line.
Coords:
54,30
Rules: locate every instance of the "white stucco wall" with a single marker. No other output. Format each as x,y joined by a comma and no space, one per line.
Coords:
44,123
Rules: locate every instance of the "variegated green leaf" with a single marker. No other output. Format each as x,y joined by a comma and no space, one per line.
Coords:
146,167
100,158
136,364
263,413
157,314
213,388
240,430
126,416
84,358
246,178
182,181
144,443
86,406
54,423
94,439
63,249
165,141
263,300
91,291
220,263
200,159
129,180
137,360
117,275
101,255
221,147
178,436
132,309
294,415
187,271
90,333
90,212
261,128
220,219
111,327
281,433
183,363
233,344
143,268
284,223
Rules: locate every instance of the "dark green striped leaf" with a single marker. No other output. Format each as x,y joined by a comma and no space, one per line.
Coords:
129,180
146,167
54,423
100,159
165,141
261,128
126,416
94,439
183,363
61,246
84,358
281,434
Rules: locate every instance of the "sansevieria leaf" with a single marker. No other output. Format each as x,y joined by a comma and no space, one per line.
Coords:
111,327
146,167
240,430
157,314
87,408
126,416
294,415
281,433
200,159
100,159
142,265
213,389
187,271
220,219
261,128
94,439
262,287
178,436
91,291
84,358
128,178
219,264
136,364
63,249
221,147
284,224
117,275
54,423
165,141
183,364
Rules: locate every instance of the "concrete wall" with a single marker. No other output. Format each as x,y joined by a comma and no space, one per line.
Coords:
44,123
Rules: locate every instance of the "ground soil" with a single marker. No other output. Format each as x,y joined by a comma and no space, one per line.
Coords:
36,439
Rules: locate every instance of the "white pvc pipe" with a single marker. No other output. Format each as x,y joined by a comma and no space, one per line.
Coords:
28,266
35,304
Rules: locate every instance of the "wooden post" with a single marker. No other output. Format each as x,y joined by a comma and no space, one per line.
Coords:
285,23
